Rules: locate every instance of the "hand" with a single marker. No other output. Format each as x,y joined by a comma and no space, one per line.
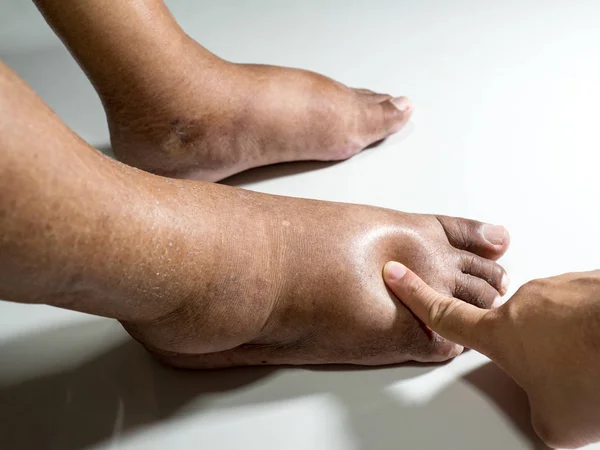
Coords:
547,337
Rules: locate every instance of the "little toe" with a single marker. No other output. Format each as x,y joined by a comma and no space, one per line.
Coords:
485,269
488,241
476,291
384,118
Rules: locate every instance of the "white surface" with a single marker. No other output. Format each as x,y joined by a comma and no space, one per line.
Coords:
505,130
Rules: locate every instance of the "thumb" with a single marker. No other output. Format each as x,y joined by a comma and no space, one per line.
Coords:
453,319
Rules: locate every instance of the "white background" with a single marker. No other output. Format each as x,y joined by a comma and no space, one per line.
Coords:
505,130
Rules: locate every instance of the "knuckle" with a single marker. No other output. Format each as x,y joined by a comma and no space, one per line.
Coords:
438,311
532,287
467,229
491,330
589,280
462,236
485,296
415,288
460,283
470,262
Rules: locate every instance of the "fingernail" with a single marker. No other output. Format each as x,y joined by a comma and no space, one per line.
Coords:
494,234
497,302
393,271
402,103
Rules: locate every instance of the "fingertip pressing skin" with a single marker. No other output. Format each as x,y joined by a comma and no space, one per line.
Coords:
451,318
394,271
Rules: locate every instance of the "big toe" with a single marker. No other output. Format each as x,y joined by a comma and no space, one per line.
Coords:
486,240
385,116
370,96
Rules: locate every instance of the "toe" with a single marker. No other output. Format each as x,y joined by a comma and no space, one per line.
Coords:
475,290
489,241
363,91
372,97
485,269
377,98
387,117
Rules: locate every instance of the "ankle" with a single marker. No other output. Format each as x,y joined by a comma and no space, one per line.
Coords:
222,274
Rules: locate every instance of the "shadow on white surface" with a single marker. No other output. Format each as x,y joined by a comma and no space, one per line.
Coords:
47,401
275,171
258,174
499,388
264,173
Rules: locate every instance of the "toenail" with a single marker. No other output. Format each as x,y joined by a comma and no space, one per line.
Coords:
402,103
494,234
393,271
505,283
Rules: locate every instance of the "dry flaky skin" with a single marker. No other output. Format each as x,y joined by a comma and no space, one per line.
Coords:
206,275
176,109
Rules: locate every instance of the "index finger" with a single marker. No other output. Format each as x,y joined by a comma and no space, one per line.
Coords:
453,319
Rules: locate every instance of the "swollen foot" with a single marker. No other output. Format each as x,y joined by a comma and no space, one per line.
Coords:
300,282
208,119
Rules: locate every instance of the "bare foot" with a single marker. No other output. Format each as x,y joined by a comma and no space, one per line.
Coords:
199,117
206,275
305,281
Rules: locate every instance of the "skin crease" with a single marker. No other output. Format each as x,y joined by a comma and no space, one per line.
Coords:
205,275
175,109
546,337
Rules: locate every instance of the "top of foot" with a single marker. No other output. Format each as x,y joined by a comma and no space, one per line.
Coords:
210,121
